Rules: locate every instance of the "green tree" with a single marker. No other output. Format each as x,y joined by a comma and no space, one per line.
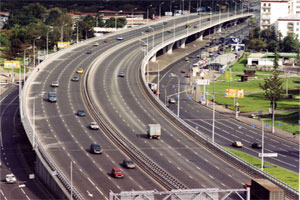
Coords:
273,46
290,43
36,10
54,16
269,34
257,44
4,39
272,87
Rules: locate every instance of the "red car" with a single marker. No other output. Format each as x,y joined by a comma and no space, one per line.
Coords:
105,41
195,26
183,71
117,173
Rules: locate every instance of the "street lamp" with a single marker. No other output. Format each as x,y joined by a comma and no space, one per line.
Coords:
132,16
158,68
171,5
152,36
34,50
160,8
116,18
219,11
24,65
148,13
227,9
178,93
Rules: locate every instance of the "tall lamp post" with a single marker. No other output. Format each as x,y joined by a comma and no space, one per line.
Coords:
158,68
152,36
148,13
227,9
160,8
24,65
34,50
219,11
178,93
171,5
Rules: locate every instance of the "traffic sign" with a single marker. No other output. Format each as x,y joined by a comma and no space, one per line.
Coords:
268,155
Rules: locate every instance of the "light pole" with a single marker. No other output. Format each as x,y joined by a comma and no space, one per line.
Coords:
24,65
148,12
262,144
152,36
160,9
146,54
214,108
178,93
208,7
227,9
171,5
132,16
219,11
77,37
34,50
116,18
158,68
18,186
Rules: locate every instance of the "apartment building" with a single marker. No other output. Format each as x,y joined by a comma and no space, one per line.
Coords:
289,24
271,10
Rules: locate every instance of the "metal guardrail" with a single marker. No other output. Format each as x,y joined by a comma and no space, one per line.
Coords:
254,169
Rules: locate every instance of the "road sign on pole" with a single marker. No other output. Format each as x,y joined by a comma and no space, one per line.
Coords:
268,154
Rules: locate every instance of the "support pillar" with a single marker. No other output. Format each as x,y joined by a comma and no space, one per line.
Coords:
170,48
183,43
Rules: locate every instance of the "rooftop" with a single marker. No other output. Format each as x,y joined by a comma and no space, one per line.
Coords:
294,17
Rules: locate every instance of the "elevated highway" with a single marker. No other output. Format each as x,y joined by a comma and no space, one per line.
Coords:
123,108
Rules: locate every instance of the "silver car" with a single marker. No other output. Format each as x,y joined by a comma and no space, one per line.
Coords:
55,84
172,101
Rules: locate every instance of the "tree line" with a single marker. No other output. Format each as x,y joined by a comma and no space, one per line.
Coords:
52,25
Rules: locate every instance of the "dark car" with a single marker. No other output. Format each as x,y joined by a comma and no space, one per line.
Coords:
89,52
256,145
80,113
96,148
129,164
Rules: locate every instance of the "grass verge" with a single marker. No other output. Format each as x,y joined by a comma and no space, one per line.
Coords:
282,174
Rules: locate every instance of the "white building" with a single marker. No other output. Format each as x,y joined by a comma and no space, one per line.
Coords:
271,10
289,24
296,9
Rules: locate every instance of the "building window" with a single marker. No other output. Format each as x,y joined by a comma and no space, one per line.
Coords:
297,29
269,4
297,23
265,4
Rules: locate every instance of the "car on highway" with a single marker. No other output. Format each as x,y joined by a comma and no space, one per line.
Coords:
187,59
105,41
80,113
52,97
169,31
96,44
256,145
117,173
94,126
96,149
183,71
237,144
79,71
129,164
54,84
75,78
172,101
89,52
120,37
121,74
10,178
195,26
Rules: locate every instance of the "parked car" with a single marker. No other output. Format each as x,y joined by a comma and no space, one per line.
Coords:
188,75
117,173
256,145
172,101
94,126
183,70
96,149
75,78
55,84
80,113
10,178
237,144
129,164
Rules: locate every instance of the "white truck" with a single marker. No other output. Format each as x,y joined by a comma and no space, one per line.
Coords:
154,131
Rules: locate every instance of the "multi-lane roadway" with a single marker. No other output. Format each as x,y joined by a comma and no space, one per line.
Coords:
123,103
